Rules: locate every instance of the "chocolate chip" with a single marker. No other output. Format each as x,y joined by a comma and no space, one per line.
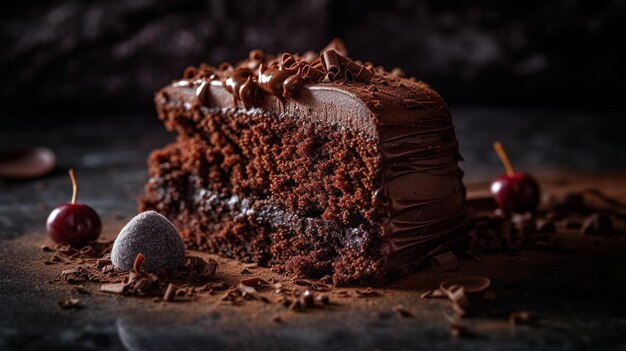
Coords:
597,223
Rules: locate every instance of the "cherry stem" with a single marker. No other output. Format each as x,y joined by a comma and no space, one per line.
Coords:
74,185
504,158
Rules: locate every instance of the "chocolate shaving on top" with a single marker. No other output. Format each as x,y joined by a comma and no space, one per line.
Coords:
337,45
312,74
282,76
330,61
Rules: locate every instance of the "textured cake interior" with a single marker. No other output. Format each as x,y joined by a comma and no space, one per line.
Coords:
276,190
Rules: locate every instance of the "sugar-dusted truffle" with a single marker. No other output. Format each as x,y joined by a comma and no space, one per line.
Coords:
152,235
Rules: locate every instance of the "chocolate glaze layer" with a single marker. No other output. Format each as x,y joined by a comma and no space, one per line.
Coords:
422,195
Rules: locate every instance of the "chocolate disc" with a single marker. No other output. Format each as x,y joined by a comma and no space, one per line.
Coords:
26,162
471,284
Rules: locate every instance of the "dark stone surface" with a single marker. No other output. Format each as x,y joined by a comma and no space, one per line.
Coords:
577,297
72,54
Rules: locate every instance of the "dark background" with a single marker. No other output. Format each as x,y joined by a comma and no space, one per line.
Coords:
65,56
545,77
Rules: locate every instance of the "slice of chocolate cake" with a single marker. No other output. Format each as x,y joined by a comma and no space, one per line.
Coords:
313,164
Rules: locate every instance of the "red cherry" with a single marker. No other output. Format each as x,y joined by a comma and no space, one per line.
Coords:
73,223
514,191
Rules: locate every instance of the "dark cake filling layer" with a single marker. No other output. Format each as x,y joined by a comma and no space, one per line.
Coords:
278,191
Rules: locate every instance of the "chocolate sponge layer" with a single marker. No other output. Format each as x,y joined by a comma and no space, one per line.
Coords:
264,189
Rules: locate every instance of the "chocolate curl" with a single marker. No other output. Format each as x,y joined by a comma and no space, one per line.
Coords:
329,77
445,262
190,72
337,45
318,64
206,70
351,69
274,64
293,85
330,60
88,251
256,55
138,262
348,75
456,295
311,74
352,66
288,62
364,75
200,268
170,293
224,66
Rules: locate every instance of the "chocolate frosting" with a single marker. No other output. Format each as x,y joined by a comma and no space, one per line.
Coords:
422,194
